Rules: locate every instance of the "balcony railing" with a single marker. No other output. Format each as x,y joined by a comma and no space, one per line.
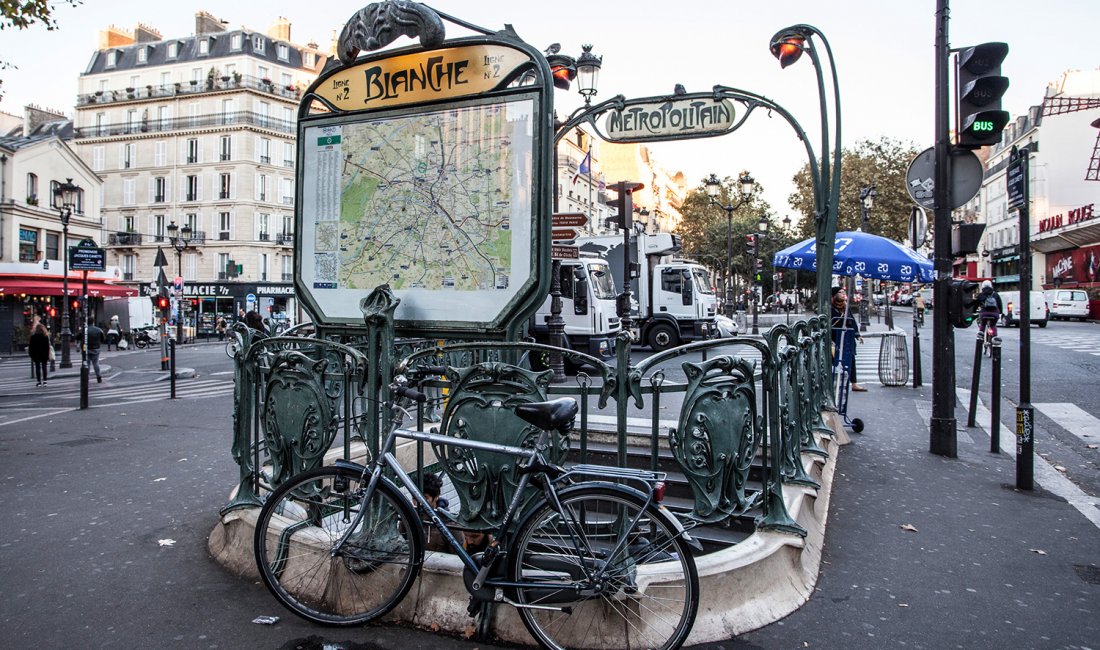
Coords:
225,157
189,88
265,160
127,275
236,118
197,237
286,238
124,239
288,277
287,200
263,236
191,196
159,198
222,275
223,194
223,236
288,163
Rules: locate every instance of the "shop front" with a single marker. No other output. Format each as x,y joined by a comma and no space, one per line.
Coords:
1076,268
206,303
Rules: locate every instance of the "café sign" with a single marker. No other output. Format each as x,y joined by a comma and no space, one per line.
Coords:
690,117
421,76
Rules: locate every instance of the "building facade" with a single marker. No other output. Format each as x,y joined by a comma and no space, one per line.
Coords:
1063,136
199,132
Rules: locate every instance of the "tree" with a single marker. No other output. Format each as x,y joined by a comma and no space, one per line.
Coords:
883,164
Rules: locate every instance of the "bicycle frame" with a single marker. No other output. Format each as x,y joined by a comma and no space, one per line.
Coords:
532,463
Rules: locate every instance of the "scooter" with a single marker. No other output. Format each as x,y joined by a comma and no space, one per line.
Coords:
144,338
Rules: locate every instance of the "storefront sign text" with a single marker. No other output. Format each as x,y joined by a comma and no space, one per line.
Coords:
672,119
1076,215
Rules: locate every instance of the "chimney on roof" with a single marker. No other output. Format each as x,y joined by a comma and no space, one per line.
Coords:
115,37
280,29
35,116
206,23
146,34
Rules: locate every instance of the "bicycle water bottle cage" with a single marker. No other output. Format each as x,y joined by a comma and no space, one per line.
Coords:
556,414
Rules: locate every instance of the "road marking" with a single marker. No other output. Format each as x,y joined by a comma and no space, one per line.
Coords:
35,417
1073,419
1045,475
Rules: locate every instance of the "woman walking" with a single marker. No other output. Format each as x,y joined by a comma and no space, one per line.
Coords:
39,350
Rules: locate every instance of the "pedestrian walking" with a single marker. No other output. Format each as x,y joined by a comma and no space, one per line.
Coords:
845,333
39,350
114,333
220,328
255,321
95,338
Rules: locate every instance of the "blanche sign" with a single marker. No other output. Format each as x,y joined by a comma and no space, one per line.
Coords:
672,119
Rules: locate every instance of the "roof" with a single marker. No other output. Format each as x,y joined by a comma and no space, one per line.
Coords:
157,54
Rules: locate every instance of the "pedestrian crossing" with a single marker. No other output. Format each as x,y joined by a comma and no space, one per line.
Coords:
18,388
1086,343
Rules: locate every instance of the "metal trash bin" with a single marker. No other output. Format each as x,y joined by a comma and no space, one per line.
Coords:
893,360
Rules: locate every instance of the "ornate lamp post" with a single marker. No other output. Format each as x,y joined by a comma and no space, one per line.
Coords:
758,266
64,200
588,73
787,46
713,188
866,202
180,244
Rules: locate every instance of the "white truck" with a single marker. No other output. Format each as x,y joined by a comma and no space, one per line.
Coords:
587,307
676,302
131,312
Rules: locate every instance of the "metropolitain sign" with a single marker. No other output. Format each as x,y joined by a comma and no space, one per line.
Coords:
671,119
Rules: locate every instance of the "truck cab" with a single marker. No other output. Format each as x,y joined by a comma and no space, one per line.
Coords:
587,307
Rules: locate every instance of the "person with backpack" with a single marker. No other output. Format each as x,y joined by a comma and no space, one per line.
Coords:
990,308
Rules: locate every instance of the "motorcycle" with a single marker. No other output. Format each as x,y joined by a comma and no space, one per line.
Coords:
145,338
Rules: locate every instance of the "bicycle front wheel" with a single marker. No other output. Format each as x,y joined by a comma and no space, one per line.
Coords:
297,533
590,595
231,349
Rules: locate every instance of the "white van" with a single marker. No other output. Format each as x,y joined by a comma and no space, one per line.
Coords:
1068,303
1010,304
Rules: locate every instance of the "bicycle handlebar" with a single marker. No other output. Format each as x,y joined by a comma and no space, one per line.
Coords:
409,393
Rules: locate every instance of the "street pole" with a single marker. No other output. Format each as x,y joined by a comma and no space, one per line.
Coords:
66,332
943,426
179,298
755,291
729,263
1025,412
84,347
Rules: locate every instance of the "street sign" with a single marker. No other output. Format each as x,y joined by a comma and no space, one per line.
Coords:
563,234
1016,179
250,299
86,256
966,177
564,252
918,227
160,260
569,219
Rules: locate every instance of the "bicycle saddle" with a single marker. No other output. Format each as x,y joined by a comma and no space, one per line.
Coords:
555,414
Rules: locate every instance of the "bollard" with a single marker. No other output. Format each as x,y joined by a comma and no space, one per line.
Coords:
995,400
172,365
975,377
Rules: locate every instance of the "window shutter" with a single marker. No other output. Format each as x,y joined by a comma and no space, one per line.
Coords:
122,156
152,190
199,154
97,159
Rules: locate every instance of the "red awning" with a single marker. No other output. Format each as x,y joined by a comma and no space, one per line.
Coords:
53,287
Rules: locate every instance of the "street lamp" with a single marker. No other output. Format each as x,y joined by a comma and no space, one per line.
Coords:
762,226
866,202
787,45
713,188
180,244
588,73
64,199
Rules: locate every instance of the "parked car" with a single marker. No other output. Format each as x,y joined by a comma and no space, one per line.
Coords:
727,327
1010,303
877,299
1068,303
903,298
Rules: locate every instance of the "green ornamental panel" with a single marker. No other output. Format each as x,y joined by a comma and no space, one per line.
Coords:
481,407
718,438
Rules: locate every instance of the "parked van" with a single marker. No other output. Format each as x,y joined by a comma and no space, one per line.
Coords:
1010,303
1068,303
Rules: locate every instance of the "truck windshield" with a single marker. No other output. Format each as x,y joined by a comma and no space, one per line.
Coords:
702,281
603,284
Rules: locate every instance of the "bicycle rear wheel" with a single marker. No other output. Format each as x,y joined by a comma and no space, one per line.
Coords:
645,596
301,523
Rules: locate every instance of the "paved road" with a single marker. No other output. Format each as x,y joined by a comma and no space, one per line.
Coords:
107,511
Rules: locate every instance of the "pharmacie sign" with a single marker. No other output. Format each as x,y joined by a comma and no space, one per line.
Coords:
420,77
672,119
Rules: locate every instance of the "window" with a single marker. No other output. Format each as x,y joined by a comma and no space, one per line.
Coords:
191,267
288,154
192,150
261,187
134,81
235,42
53,246
160,153
165,79
192,221
226,182
230,69
265,151
164,117
28,245
132,120
282,51
192,188
258,43
196,75
129,155
204,46
309,59
227,147
286,197
158,227
263,267
288,116
672,280
288,268
285,79
222,268
112,59
264,111
101,123
264,72
142,54
567,281
128,185
262,220
79,209
288,224
173,50
128,223
160,186
102,85
224,225
127,267
32,189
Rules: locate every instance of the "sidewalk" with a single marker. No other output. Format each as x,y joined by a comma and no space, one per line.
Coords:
984,565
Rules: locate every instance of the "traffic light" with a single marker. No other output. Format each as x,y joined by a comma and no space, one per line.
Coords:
759,266
750,243
563,68
51,312
76,304
978,114
959,308
162,304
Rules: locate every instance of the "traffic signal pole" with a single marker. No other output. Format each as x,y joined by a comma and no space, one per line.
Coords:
943,426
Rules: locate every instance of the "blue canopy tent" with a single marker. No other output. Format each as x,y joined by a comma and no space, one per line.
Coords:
860,253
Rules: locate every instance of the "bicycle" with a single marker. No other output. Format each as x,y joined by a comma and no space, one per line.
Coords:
988,332
588,560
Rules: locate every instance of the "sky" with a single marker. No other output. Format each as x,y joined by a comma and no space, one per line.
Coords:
883,49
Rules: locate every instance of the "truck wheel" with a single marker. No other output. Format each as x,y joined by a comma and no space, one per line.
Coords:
663,336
